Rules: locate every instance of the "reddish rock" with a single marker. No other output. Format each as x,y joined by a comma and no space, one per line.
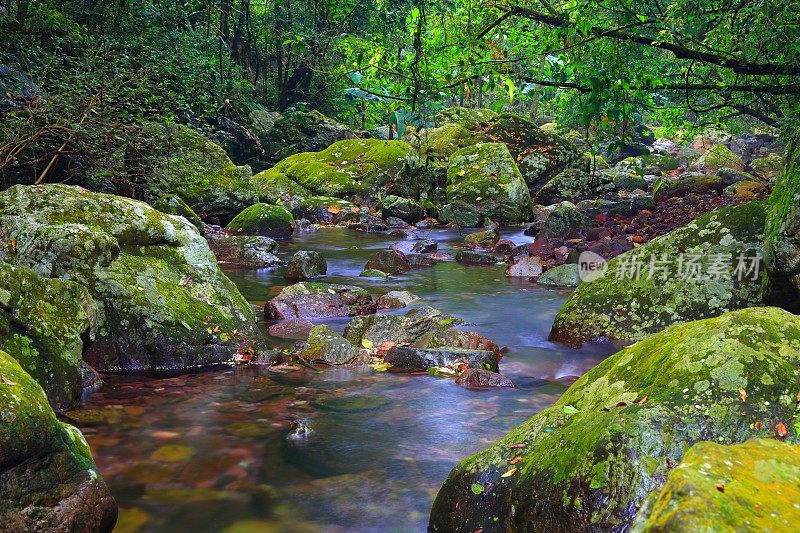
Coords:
525,267
479,378
504,246
293,328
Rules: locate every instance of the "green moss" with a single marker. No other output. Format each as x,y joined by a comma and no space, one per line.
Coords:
464,116
486,177
444,141
172,204
753,486
717,157
627,307
615,433
262,219
768,166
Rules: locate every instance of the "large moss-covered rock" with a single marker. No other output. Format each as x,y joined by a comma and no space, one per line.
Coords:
539,155
324,209
717,157
588,462
628,303
162,301
48,480
444,141
464,116
345,168
326,346
782,239
293,132
409,211
486,177
43,325
265,220
183,162
573,185
753,487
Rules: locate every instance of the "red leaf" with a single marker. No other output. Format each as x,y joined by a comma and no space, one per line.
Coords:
517,445
780,429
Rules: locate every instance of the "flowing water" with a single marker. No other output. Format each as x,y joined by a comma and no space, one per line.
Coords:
352,450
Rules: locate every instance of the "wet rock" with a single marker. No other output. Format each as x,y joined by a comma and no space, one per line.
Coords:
48,479
524,267
486,178
323,209
245,250
423,358
482,239
303,225
471,257
591,459
293,328
289,375
754,485
627,303
396,299
424,246
423,327
395,222
402,208
389,261
305,265
352,404
461,214
265,220
162,301
560,276
374,273
43,325
420,260
309,300
504,247
479,378
730,176
564,223
326,346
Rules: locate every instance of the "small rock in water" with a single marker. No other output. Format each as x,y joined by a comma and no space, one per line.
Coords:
470,257
389,261
527,267
289,374
396,299
305,265
351,403
293,328
300,430
480,378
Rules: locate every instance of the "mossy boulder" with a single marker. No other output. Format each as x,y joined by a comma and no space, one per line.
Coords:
405,209
717,157
442,142
464,116
182,162
326,346
768,166
305,265
46,324
782,239
266,220
561,276
162,301
324,209
753,486
695,274
486,178
588,462
293,132
461,214
172,204
389,261
539,155
48,479
692,184
572,185
310,300
345,168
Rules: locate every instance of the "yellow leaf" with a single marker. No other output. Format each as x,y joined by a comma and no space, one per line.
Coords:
368,344
462,172
510,472
743,394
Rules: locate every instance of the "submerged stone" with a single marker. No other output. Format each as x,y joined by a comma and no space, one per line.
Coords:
423,358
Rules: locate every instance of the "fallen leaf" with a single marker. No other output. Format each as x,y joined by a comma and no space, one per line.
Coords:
477,488
781,430
368,344
462,172
7,381
743,394
622,404
720,487
517,446
334,209
570,410
644,399
511,472
515,460
757,425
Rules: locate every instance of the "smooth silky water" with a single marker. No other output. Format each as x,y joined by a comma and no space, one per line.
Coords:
230,450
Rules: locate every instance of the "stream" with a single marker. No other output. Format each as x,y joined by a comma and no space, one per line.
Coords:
352,450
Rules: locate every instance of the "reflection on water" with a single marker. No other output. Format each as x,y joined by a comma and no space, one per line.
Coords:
231,450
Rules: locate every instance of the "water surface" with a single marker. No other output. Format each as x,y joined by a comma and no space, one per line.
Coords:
221,450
